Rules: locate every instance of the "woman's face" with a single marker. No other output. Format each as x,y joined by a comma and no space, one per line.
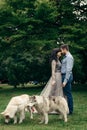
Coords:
59,54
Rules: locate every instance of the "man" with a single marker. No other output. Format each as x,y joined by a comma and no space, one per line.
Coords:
67,77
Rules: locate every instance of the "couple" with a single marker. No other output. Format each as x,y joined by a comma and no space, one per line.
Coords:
60,82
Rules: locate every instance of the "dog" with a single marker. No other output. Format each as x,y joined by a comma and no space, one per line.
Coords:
45,105
17,105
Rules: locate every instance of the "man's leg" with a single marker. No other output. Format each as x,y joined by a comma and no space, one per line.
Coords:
68,93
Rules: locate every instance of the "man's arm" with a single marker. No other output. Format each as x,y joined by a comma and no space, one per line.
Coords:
69,66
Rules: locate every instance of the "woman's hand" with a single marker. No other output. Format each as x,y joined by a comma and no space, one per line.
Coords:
53,82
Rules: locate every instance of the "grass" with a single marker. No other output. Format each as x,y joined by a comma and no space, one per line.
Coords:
78,121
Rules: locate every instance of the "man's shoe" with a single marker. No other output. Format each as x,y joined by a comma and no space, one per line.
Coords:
70,113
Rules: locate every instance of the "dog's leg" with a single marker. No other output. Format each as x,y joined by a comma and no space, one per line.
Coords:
31,113
29,109
63,113
46,118
60,116
42,119
65,117
22,116
15,119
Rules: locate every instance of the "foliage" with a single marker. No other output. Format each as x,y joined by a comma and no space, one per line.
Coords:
30,30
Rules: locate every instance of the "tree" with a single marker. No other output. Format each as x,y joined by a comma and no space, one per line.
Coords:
25,40
30,30
72,21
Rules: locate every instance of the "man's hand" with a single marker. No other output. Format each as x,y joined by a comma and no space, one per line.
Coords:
64,84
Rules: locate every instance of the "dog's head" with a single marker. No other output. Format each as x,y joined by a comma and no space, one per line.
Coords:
35,100
32,101
6,116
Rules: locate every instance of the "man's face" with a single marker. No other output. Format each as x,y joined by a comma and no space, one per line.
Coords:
63,51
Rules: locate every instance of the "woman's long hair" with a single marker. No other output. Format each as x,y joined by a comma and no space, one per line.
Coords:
54,54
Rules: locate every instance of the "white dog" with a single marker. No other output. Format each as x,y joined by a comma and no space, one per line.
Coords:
16,105
45,105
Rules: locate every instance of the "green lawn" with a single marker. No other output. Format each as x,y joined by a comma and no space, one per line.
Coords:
78,121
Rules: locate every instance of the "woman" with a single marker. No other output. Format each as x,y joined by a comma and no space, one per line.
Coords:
54,85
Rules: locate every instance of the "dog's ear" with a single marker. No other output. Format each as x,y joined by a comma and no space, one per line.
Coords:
54,99
7,116
34,97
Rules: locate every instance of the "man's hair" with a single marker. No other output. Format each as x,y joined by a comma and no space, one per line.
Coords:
64,46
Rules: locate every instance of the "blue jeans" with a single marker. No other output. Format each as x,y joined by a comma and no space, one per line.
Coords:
67,92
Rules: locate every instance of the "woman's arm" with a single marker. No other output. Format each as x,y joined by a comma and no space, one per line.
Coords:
53,67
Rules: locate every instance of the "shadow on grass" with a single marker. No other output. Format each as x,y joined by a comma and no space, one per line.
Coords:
28,90
79,87
38,88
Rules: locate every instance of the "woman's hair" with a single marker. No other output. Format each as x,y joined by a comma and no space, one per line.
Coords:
54,54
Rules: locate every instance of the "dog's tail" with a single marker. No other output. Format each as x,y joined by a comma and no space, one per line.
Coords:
67,108
2,113
68,111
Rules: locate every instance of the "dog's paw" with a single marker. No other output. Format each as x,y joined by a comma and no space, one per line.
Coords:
65,120
46,123
20,122
31,118
15,122
41,122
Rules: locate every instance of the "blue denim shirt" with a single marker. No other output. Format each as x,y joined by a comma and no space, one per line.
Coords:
67,66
